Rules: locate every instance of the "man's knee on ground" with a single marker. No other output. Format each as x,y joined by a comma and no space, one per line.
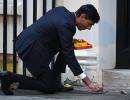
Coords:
50,89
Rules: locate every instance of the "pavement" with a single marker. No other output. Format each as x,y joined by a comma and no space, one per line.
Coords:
79,93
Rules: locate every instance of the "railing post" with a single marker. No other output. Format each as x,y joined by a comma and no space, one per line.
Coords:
14,34
24,26
44,7
53,3
5,35
34,10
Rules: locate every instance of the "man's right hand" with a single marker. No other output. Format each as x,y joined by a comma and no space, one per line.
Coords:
92,85
95,87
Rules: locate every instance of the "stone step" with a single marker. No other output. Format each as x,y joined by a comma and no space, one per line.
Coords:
86,58
116,79
87,62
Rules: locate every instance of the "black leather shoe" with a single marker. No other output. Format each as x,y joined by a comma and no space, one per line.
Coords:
65,88
6,81
61,87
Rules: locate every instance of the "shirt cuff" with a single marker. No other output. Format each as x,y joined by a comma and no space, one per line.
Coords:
82,76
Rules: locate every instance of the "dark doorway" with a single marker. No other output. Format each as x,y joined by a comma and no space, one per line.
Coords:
123,35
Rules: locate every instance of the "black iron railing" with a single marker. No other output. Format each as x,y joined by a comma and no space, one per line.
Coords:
24,26
14,34
5,35
5,3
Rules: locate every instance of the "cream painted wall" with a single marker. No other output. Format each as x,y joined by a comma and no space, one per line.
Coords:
107,34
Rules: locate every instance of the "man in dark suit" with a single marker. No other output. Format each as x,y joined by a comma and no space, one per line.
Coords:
50,35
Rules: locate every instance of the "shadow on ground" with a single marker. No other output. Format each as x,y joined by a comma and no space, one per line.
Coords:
80,93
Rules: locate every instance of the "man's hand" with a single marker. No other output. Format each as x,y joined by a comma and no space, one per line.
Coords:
95,87
92,85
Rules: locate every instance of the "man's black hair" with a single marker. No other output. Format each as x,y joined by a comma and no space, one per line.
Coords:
90,11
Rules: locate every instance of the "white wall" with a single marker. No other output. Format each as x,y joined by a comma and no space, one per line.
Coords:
107,34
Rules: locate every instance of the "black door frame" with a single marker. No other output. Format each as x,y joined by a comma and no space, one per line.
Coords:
123,35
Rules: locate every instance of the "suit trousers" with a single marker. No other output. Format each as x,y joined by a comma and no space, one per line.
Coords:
37,61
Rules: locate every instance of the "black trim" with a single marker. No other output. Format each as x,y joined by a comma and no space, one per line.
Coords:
123,35
34,10
14,34
5,35
44,7
24,26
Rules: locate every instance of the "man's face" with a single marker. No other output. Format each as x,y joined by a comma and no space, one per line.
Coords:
83,23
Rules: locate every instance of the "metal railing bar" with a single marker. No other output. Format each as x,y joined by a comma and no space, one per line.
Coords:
14,34
53,3
44,7
4,34
34,10
24,26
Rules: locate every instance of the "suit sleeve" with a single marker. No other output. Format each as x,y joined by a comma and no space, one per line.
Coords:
66,35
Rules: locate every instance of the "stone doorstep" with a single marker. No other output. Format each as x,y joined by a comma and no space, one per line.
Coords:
116,79
112,79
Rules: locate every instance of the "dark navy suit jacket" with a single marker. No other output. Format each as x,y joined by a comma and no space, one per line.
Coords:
55,30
